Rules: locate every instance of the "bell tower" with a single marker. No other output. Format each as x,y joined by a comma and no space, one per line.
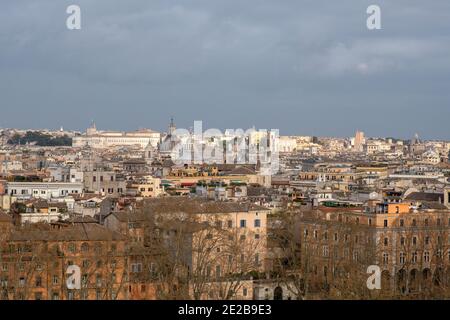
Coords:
172,127
92,130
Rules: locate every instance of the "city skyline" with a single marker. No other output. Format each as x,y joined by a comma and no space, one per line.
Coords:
165,130
303,67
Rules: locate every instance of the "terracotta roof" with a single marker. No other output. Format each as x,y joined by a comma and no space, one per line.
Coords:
241,170
433,205
79,219
188,205
125,216
76,232
5,217
425,196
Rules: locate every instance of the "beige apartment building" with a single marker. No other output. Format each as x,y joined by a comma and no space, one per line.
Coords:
412,248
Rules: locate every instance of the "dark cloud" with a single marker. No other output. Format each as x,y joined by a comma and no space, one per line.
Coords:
305,67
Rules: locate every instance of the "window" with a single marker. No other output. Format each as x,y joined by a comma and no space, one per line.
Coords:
243,223
385,258
256,258
402,241
84,279
22,282
315,234
425,222
84,247
4,282
385,223
414,240
136,267
257,236
38,296
426,256
86,263
72,248
427,240
386,241
402,223
336,237
402,257
98,248
98,280
230,223
438,221
257,223
38,281
55,280
325,251
218,271
414,257
55,296
370,222
244,292
414,223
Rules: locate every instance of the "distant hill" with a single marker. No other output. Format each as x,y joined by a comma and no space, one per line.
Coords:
40,139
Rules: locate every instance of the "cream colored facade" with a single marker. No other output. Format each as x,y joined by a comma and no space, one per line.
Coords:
151,188
106,139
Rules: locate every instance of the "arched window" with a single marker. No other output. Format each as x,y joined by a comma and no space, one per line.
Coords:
385,258
98,248
85,247
72,247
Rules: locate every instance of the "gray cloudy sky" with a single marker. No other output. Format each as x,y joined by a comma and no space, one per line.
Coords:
304,67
